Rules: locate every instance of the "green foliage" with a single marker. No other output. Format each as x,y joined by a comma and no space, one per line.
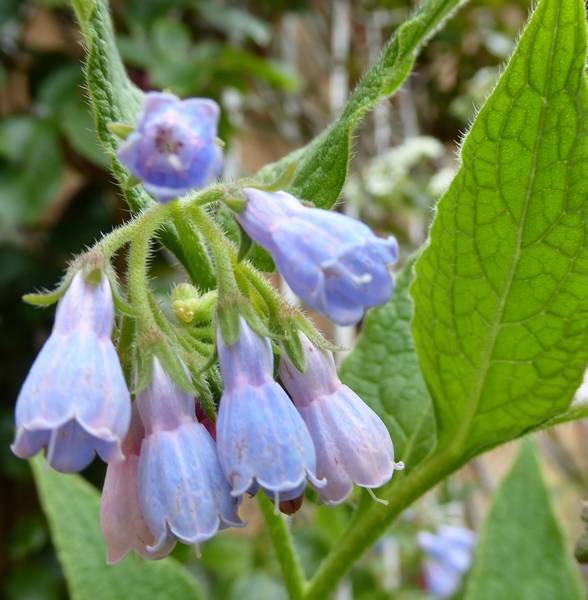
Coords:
72,507
521,553
383,369
323,164
32,170
501,320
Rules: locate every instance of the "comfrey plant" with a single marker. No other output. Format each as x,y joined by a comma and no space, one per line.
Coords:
223,390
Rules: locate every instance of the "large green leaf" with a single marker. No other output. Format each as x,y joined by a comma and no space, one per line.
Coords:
72,508
501,311
114,98
521,553
322,164
383,369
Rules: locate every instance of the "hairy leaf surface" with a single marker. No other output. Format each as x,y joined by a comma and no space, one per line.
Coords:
501,311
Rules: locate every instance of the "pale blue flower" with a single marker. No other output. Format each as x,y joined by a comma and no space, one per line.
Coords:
74,401
173,148
448,555
352,443
333,262
182,491
262,440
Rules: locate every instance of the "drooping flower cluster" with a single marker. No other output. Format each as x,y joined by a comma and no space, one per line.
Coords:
448,555
172,476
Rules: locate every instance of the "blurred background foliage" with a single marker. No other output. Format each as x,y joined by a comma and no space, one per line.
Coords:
280,70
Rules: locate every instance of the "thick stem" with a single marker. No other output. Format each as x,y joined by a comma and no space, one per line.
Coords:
284,546
369,525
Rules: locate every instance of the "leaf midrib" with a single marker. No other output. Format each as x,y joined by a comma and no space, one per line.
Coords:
471,408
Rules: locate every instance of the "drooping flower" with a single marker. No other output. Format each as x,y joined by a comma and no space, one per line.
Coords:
121,519
333,262
173,148
262,441
74,401
352,443
183,493
448,555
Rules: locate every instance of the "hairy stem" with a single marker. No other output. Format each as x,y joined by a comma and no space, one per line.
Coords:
143,229
283,544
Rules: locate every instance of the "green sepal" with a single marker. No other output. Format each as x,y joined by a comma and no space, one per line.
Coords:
120,304
131,182
281,182
143,370
235,199
120,130
210,362
581,551
312,333
49,298
258,325
245,244
175,367
227,319
293,347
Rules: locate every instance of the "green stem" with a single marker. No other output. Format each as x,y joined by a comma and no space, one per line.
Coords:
226,282
202,271
149,222
369,524
141,226
283,543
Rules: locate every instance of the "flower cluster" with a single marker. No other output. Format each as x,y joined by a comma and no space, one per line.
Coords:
173,476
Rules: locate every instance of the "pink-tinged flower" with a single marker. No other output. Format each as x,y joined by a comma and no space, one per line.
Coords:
448,555
262,441
123,525
352,443
173,148
74,401
333,262
183,493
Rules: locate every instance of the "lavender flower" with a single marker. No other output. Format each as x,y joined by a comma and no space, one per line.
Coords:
448,555
183,494
123,525
334,263
352,444
74,401
173,148
262,440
